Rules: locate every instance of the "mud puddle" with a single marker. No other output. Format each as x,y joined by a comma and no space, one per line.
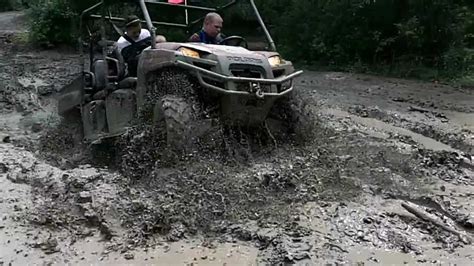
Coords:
435,111
379,128
90,251
60,238
15,201
418,246
385,257
466,120
383,233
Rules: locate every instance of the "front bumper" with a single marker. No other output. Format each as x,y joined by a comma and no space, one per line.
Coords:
254,84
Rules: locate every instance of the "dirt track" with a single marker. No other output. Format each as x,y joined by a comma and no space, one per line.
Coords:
336,198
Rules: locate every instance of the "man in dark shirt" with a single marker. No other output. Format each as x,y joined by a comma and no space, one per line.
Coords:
211,30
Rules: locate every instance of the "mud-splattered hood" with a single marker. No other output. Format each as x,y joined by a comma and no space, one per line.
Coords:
218,50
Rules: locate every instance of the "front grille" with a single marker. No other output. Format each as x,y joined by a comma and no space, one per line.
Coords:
278,73
247,71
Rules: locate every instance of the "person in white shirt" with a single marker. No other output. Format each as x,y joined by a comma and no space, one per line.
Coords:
131,44
134,32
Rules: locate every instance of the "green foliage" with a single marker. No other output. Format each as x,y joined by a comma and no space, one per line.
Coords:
436,33
405,36
55,22
51,22
8,5
457,61
5,5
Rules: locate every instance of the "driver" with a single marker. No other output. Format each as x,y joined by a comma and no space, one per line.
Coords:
211,30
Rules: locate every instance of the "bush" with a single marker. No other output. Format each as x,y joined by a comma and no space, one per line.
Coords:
457,62
384,32
52,22
9,5
6,5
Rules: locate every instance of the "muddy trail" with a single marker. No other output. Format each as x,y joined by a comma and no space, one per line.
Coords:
383,175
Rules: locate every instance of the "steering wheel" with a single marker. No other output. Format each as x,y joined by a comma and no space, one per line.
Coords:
235,41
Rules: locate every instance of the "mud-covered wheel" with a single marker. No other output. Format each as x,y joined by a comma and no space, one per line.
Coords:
173,116
169,105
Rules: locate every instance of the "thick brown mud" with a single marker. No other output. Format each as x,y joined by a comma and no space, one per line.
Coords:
370,145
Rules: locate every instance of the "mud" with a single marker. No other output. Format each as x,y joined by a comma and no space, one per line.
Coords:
332,196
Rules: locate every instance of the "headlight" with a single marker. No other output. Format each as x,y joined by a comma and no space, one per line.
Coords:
275,60
189,52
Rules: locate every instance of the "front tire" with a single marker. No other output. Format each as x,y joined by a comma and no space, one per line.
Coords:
173,116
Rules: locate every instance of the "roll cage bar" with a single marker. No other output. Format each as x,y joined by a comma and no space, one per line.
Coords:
102,7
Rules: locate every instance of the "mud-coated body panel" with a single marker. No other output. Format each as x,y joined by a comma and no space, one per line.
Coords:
94,119
245,81
121,109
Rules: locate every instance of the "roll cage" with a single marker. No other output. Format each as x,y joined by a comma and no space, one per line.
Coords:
100,11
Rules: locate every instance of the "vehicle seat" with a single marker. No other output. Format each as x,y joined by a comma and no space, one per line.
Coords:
117,67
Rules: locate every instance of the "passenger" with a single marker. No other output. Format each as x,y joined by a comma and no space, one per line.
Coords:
133,42
211,30
133,34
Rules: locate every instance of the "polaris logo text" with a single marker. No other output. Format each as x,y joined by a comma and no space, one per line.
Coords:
244,59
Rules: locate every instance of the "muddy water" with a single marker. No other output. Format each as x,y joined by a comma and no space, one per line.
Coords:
13,229
22,169
178,253
431,252
18,236
385,257
379,128
373,254
356,251
466,120
93,251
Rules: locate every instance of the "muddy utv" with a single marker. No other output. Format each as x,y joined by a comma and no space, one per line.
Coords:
177,83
